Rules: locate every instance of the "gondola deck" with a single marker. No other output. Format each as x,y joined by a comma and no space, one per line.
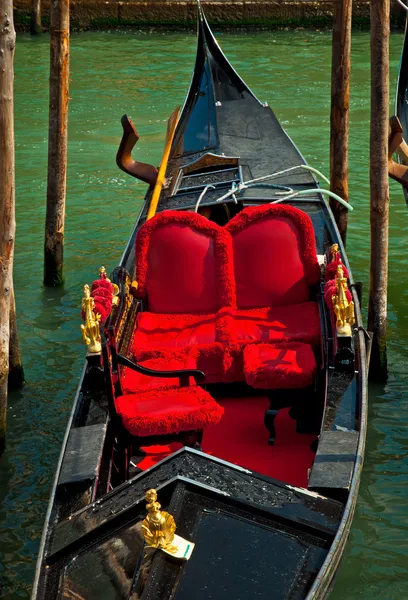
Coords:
265,518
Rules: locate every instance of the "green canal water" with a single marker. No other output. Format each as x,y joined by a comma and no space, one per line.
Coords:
146,75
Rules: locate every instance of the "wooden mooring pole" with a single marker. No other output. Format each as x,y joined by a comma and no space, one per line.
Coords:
7,197
57,143
339,115
16,371
35,17
379,188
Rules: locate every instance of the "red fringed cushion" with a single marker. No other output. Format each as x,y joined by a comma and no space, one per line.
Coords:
102,293
279,366
184,264
168,410
331,269
275,257
133,381
173,330
295,323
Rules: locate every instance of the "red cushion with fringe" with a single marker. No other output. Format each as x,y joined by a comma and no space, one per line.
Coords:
168,410
279,366
295,323
133,381
203,337
173,330
184,264
102,293
275,258
211,359
331,269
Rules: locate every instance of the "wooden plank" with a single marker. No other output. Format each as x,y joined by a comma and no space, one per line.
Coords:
335,459
82,456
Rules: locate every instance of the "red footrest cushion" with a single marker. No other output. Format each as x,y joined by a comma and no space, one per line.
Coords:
168,410
279,366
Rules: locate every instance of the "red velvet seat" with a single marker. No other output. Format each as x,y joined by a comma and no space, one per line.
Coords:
275,260
211,290
279,366
167,410
184,264
185,276
275,265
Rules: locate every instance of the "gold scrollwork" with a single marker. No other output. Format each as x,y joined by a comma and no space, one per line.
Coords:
343,309
90,330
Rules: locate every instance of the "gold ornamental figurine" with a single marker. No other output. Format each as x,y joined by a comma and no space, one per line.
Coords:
90,330
334,251
159,530
343,309
103,275
159,526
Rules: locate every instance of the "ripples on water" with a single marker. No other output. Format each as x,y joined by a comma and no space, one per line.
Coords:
147,76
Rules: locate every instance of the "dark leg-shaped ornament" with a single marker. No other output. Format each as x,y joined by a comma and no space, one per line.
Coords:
269,421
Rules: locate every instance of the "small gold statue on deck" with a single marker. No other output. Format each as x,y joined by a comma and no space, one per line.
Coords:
90,330
343,308
159,526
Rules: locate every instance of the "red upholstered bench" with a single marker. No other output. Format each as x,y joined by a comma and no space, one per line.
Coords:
279,366
212,290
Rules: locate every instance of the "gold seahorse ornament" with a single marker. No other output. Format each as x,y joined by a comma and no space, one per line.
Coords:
343,309
90,330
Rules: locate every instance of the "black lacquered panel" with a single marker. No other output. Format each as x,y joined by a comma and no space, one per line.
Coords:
238,559
105,571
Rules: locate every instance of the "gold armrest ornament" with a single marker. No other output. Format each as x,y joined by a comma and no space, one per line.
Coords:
343,309
90,330
159,530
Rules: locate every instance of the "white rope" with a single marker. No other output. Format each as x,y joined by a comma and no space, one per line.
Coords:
404,6
286,195
315,191
203,193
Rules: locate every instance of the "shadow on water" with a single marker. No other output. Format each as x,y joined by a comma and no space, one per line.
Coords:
36,422
147,76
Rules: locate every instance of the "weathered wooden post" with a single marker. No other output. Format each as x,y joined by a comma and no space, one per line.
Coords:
35,18
379,196
7,195
57,143
16,371
339,115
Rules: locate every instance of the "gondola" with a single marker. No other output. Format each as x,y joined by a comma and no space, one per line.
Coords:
216,441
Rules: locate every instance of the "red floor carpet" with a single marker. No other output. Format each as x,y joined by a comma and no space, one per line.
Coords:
241,438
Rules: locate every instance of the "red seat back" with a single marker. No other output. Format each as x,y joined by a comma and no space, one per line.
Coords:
184,264
274,256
